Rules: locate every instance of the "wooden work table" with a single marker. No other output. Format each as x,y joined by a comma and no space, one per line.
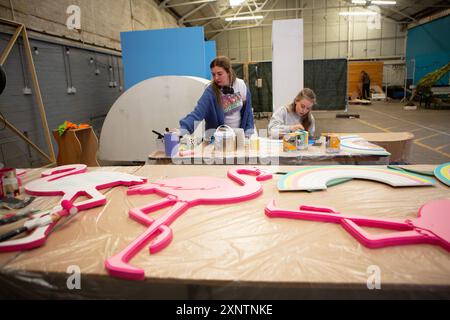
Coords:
235,251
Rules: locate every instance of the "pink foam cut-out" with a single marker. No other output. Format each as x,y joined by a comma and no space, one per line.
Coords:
180,194
431,226
71,182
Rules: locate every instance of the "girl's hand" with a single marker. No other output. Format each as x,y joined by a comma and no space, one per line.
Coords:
297,127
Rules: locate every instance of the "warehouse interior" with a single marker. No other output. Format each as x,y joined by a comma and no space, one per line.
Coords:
109,84
89,59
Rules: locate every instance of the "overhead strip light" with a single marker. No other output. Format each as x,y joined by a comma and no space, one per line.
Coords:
358,13
244,18
380,2
234,3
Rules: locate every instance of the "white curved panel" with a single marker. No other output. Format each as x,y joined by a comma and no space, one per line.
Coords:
317,178
360,145
153,104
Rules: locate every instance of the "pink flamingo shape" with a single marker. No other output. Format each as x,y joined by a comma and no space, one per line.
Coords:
180,194
70,181
431,226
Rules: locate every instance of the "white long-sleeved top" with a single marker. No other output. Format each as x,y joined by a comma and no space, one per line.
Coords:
282,119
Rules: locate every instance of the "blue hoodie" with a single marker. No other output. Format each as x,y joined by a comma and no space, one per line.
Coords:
209,110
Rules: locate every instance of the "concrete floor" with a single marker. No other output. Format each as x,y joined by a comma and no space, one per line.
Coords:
431,128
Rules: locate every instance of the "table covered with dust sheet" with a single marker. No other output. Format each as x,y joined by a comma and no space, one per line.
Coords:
234,251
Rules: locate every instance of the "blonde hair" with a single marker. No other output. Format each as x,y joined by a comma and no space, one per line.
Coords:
309,95
306,93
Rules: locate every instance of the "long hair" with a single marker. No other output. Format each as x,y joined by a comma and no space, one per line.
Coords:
309,95
225,63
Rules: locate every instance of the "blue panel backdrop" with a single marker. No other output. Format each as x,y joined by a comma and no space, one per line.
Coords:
210,54
151,53
429,46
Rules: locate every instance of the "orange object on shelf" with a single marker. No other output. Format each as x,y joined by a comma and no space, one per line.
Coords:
67,125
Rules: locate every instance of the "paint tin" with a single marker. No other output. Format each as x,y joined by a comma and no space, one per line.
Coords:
9,183
171,141
254,143
224,139
333,143
290,142
302,140
240,139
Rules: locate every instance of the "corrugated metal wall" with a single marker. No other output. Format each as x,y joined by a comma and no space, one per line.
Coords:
326,34
56,71
101,20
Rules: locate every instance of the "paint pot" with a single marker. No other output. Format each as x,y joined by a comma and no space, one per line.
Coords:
9,183
333,143
290,142
224,139
254,143
240,139
302,140
171,141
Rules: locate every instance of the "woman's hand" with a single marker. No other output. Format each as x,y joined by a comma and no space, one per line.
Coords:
297,127
174,130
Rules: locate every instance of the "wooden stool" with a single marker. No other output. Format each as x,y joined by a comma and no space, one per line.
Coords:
77,146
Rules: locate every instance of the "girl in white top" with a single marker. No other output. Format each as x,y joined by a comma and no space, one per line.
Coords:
295,116
226,100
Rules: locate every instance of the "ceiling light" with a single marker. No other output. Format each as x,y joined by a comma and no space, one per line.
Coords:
379,2
234,3
383,2
244,18
358,13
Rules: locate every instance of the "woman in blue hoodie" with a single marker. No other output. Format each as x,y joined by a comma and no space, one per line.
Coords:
225,101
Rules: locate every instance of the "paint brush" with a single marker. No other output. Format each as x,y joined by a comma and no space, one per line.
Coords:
52,217
22,214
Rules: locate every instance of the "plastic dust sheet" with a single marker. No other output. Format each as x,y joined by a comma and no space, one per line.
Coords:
233,251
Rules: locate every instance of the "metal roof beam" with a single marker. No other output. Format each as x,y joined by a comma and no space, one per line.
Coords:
351,5
400,13
182,19
163,3
188,3
268,11
257,24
